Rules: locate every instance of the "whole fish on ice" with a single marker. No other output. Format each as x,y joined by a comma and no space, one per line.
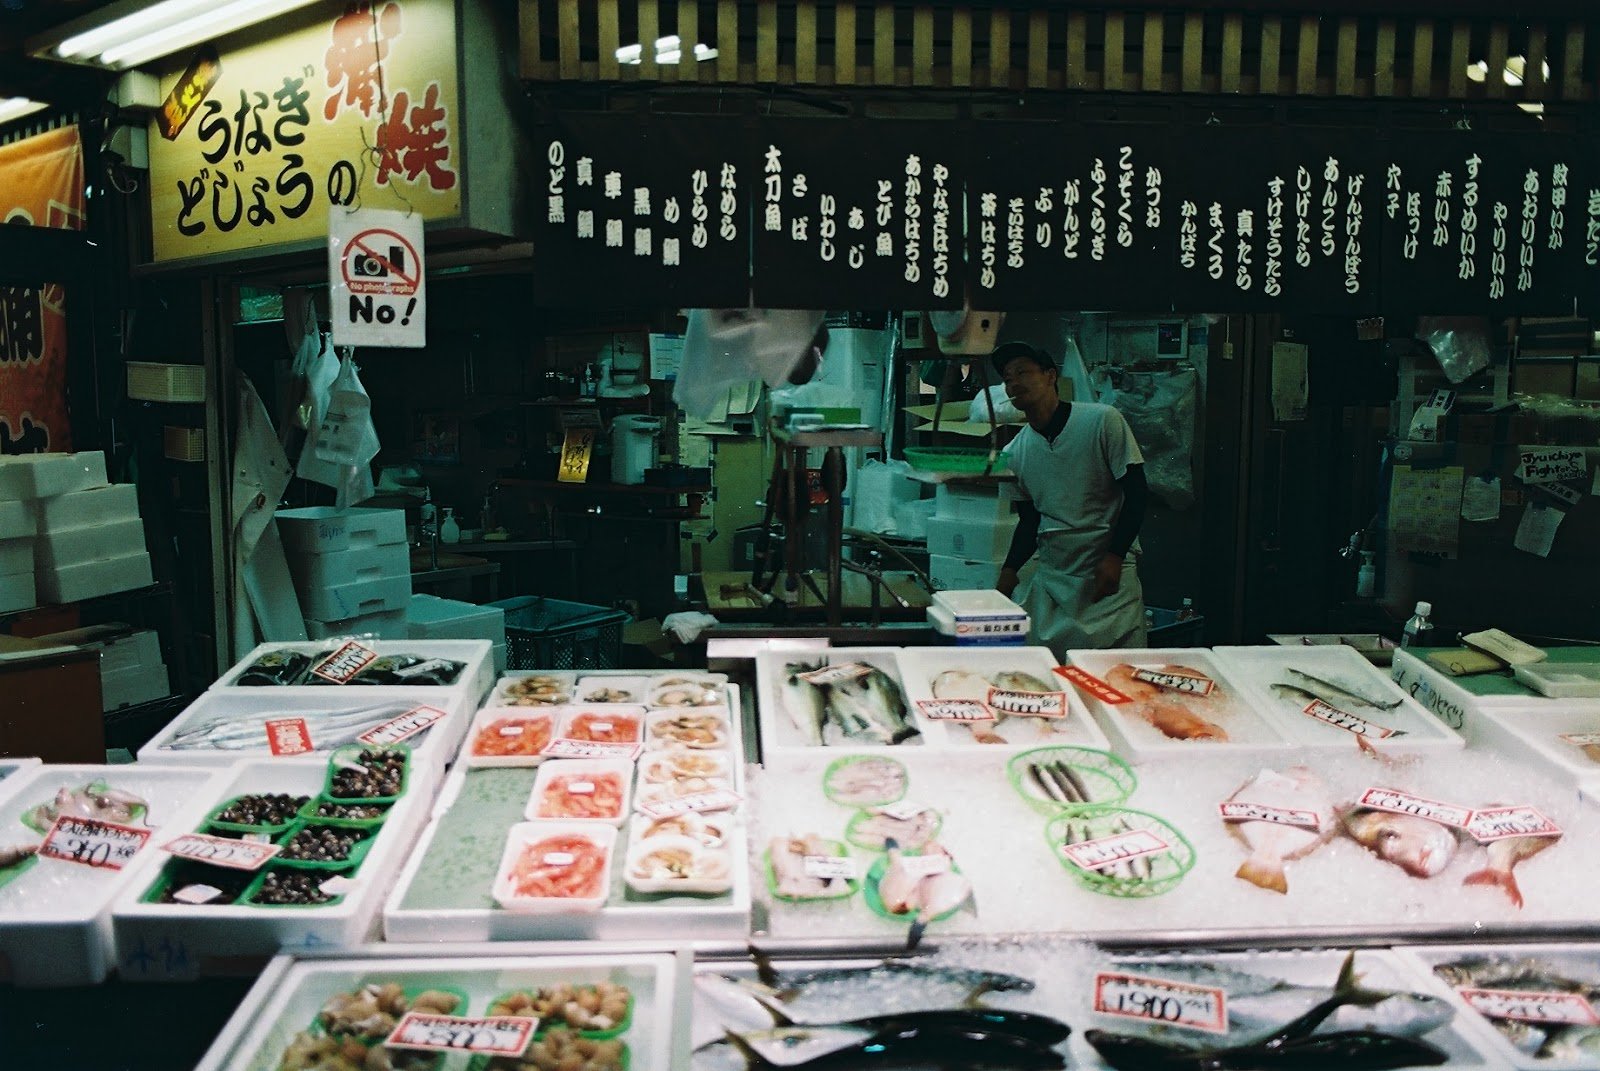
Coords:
1420,847
1336,693
328,729
863,708
1273,844
1504,855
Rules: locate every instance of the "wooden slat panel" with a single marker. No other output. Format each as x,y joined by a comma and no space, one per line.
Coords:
606,37
1038,49
767,43
1271,55
689,30
922,45
883,44
1232,51
1077,75
1344,75
961,47
1494,83
844,43
1155,28
1460,48
1305,78
1383,59
805,42
1535,85
1000,48
649,30
529,61
1116,51
1422,59
727,40
1194,46
567,29
1572,63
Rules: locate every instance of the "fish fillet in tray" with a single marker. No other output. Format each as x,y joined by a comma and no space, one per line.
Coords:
1182,701
840,697
1529,1005
1323,696
291,993
55,915
1565,735
1011,676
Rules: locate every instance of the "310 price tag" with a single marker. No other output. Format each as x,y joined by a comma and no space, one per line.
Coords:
92,842
1179,1004
496,1035
220,851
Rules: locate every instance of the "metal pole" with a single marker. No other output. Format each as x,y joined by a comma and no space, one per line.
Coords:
833,485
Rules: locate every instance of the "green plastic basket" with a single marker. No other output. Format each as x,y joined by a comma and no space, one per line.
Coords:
854,760
308,813
1166,870
352,862
249,897
851,885
852,832
272,829
1108,780
350,753
189,872
952,459
875,902
546,1026
495,1063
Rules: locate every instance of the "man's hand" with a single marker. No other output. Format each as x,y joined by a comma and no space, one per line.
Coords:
1107,577
1007,582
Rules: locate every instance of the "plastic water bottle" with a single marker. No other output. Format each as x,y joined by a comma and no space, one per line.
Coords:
450,530
1419,627
1188,612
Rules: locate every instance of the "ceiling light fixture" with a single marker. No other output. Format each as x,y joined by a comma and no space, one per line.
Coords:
12,108
133,33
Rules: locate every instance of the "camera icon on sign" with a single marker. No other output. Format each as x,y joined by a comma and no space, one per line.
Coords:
373,267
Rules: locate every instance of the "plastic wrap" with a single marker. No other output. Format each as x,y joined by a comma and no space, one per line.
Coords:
1160,408
1459,343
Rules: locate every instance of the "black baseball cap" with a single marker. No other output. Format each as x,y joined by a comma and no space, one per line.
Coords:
1010,351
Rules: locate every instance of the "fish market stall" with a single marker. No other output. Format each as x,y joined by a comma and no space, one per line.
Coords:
284,855
605,805
997,696
71,839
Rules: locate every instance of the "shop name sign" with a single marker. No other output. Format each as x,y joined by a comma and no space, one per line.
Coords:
355,107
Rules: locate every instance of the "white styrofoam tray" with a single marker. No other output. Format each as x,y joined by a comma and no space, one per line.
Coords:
1449,701
920,667
1247,728
778,730
190,935
291,991
55,919
1257,669
474,680
1579,960
1536,729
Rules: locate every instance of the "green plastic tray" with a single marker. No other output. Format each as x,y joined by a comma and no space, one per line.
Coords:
851,831
852,760
240,827
169,875
358,852
485,1063
249,900
316,1029
598,1035
1167,868
308,813
875,902
93,786
1110,781
349,753
838,848
952,459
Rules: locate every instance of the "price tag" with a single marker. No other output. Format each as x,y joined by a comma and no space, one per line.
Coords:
1498,823
342,665
404,727
580,788
422,667
830,866
1581,739
600,726
558,859
1531,1006
845,671
955,709
1096,855
498,1035
925,866
1388,799
288,736
720,799
1179,1004
220,851
92,842
1350,723
197,894
904,811
565,748
512,730
1240,811
1096,687
1029,704
1174,681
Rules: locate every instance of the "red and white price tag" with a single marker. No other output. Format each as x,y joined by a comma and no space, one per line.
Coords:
566,748
1029,704
496,1035
342,665
1174,681
830,866
1531,1006
220,851
288,736
1388,799
721,799
1341,719
1096,855
1179,1004
844,671
404,727
1240,811
925,866
1096,687
955,710
92,842
1499,823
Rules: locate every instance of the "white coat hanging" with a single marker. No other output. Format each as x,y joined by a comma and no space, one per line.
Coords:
376,286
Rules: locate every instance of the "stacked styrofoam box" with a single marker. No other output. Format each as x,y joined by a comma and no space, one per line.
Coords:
429,617
17,526
351,568
969,534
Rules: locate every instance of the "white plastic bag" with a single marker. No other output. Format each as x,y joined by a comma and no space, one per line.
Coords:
345,436
723,348
1160,409
1004,411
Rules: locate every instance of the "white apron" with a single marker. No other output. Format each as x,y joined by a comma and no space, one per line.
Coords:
1057,598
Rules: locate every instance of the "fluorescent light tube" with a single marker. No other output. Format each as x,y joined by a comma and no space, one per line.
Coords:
216,23
17,107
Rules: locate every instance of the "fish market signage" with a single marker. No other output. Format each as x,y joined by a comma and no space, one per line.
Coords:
1531,1006
497,1035
92,842
288,736
1179,1004
1096,855
342,665
1239,811
356,107
1096,687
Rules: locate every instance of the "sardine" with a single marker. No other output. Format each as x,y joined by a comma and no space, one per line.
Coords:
1334,692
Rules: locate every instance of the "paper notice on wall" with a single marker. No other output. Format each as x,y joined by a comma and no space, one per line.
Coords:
1425,509
666,354
1537,532
1550,464
1289,381
1480,499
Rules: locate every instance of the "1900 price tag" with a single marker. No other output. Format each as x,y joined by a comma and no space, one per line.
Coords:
499,1035
220,851
1135,996
92,842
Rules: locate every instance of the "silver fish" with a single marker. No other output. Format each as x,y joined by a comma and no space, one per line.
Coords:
888,987
1338,691
1015,680
874,703
328,728
805,702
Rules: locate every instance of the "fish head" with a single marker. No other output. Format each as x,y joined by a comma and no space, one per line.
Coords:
1419,847
792,1046
1412,1014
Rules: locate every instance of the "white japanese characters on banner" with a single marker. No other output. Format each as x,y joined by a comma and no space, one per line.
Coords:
376,288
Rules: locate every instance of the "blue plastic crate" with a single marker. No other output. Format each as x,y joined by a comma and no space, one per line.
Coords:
544,633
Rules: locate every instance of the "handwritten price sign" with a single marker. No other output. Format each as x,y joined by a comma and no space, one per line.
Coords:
955,710
1179,1004
1350,723
830,866
1029,704
404,727
92,842
496,1035
1186,683
1499,823
345,663
847,671
1096,687
1531,1006
1240,811
220,851
565,748
1387,799
1096,855
700,802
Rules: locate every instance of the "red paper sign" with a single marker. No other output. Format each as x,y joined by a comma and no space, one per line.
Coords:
1531,1006
1029,704
1093,685
498,1035
1135,996
342,665
92,842
404,727
289,736
223,851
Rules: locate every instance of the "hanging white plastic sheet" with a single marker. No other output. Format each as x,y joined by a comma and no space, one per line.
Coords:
1160,409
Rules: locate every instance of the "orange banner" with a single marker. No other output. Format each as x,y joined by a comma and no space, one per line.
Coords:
41,185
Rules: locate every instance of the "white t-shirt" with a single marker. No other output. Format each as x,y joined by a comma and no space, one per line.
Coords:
1072,481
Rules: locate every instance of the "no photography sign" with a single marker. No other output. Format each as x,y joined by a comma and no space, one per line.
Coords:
376,283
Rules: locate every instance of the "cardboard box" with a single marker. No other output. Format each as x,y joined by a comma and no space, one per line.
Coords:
958,537
27,476
82,509
962,574
64,547
958,500
88,580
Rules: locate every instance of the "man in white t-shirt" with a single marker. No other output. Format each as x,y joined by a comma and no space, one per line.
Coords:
1082,478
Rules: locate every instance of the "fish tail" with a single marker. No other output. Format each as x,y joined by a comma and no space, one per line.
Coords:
1266,873
752,1057
1503,880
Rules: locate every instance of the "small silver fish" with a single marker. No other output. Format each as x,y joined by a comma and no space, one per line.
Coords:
1338,691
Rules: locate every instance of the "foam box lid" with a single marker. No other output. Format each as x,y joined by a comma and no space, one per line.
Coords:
91,579
28,476
326,530
989,603
63,547
96,506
